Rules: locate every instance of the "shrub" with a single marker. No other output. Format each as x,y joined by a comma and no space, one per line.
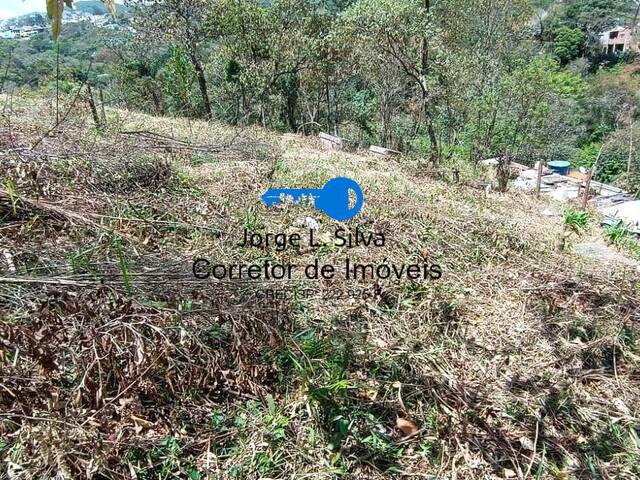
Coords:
576,220
568,43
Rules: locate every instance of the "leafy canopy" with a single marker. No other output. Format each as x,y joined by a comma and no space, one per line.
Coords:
568,43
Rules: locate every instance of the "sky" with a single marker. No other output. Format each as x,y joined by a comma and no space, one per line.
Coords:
13,8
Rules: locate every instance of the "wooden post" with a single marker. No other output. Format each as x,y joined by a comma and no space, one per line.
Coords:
632,123
587,188
103,112
94,110
539,181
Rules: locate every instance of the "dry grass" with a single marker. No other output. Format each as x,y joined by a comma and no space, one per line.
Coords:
521,362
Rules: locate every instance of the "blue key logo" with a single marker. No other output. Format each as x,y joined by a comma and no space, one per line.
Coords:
332,199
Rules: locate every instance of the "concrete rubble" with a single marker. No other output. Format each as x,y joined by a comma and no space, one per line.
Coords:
384,152
614,203
627,212
604,254
331,142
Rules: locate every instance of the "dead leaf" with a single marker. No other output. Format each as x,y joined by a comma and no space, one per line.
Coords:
407,427
527,443
370,395
621,407
54,12
140,423
111,6
380,343
125,401
508,473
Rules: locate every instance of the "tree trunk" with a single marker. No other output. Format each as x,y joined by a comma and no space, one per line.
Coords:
245,105
94,110
102,109
292,103
434,154
157,102
326,94
202,80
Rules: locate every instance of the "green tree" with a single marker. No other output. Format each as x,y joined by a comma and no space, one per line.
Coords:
598,15
179,81
264,51
568,43
402,33
181,23
482,52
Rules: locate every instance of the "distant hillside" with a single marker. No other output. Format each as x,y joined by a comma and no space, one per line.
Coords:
81,10
95,7
25,20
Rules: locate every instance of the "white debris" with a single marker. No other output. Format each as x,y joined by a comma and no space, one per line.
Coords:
524,184
312,224
529,174
564,193
628,212
8,258
621,407
490,162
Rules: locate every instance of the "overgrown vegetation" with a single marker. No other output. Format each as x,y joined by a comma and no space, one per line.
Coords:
426,78
115,360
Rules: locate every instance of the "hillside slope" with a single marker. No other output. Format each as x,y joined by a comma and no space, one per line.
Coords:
115,362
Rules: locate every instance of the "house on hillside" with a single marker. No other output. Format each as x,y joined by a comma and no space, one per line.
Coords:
28,30
618,41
